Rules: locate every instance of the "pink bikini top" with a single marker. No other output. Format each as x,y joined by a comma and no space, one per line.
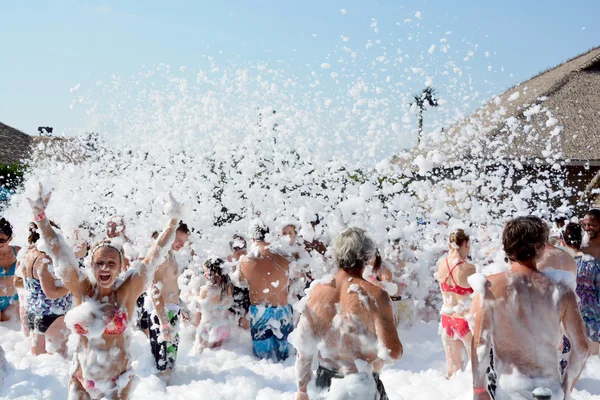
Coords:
116,324
459,290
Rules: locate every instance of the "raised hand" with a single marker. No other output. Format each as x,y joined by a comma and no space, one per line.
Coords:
172,207
39,204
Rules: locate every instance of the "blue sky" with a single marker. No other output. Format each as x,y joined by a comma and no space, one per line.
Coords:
48,47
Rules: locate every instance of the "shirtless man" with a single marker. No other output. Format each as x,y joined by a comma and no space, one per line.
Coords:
163,326
518,323
346,320
266,274
591,226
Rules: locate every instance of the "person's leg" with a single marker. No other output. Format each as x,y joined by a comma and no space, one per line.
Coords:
76,391
453,349
23,317
157,346
38,343
57,335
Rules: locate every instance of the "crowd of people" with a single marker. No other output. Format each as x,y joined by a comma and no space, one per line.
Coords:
527,331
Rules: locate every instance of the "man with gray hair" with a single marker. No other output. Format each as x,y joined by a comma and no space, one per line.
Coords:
349,323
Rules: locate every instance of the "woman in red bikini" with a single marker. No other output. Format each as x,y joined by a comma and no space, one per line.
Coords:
105,303
453,272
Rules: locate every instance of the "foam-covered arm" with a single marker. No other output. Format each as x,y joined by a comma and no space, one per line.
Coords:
575,330
305,344
481,345
143,272
389,346
66,265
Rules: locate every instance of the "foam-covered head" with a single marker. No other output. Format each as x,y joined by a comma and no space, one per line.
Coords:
6,232
182,235
524,238
106,263
352,249
591,223
290,232
259,231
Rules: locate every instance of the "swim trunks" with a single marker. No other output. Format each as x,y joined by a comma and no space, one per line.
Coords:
270,328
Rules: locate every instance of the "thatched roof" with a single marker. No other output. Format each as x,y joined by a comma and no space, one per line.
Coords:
554,115
17,147
14,145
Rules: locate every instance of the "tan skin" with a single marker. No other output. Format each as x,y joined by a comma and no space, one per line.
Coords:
372,319
557,259
261,272
7,288
35,265
453,347
106,266
165,290
591,226
529,344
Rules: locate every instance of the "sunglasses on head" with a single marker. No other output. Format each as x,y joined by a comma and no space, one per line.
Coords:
2,241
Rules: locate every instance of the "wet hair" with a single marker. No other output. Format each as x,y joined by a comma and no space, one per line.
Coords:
378,261
259,232
459,237
6,227
34,235
183,228
594,212
352,249
107,243
524,237
573,235
215,272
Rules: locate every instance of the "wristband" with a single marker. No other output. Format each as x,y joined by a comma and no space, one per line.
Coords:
479,390
39,217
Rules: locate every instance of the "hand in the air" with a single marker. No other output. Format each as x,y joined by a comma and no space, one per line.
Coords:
38,205
172,207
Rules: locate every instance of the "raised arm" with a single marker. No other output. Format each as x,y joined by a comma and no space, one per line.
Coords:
142,273
480,348
65,263
575,330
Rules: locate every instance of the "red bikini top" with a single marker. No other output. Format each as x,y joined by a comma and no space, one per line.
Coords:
459,290
116,324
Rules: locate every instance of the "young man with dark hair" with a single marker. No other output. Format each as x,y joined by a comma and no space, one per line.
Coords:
591,226
518,317
352,319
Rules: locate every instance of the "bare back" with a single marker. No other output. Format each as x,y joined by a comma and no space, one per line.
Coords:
526,311
454,272
267,276
342,315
